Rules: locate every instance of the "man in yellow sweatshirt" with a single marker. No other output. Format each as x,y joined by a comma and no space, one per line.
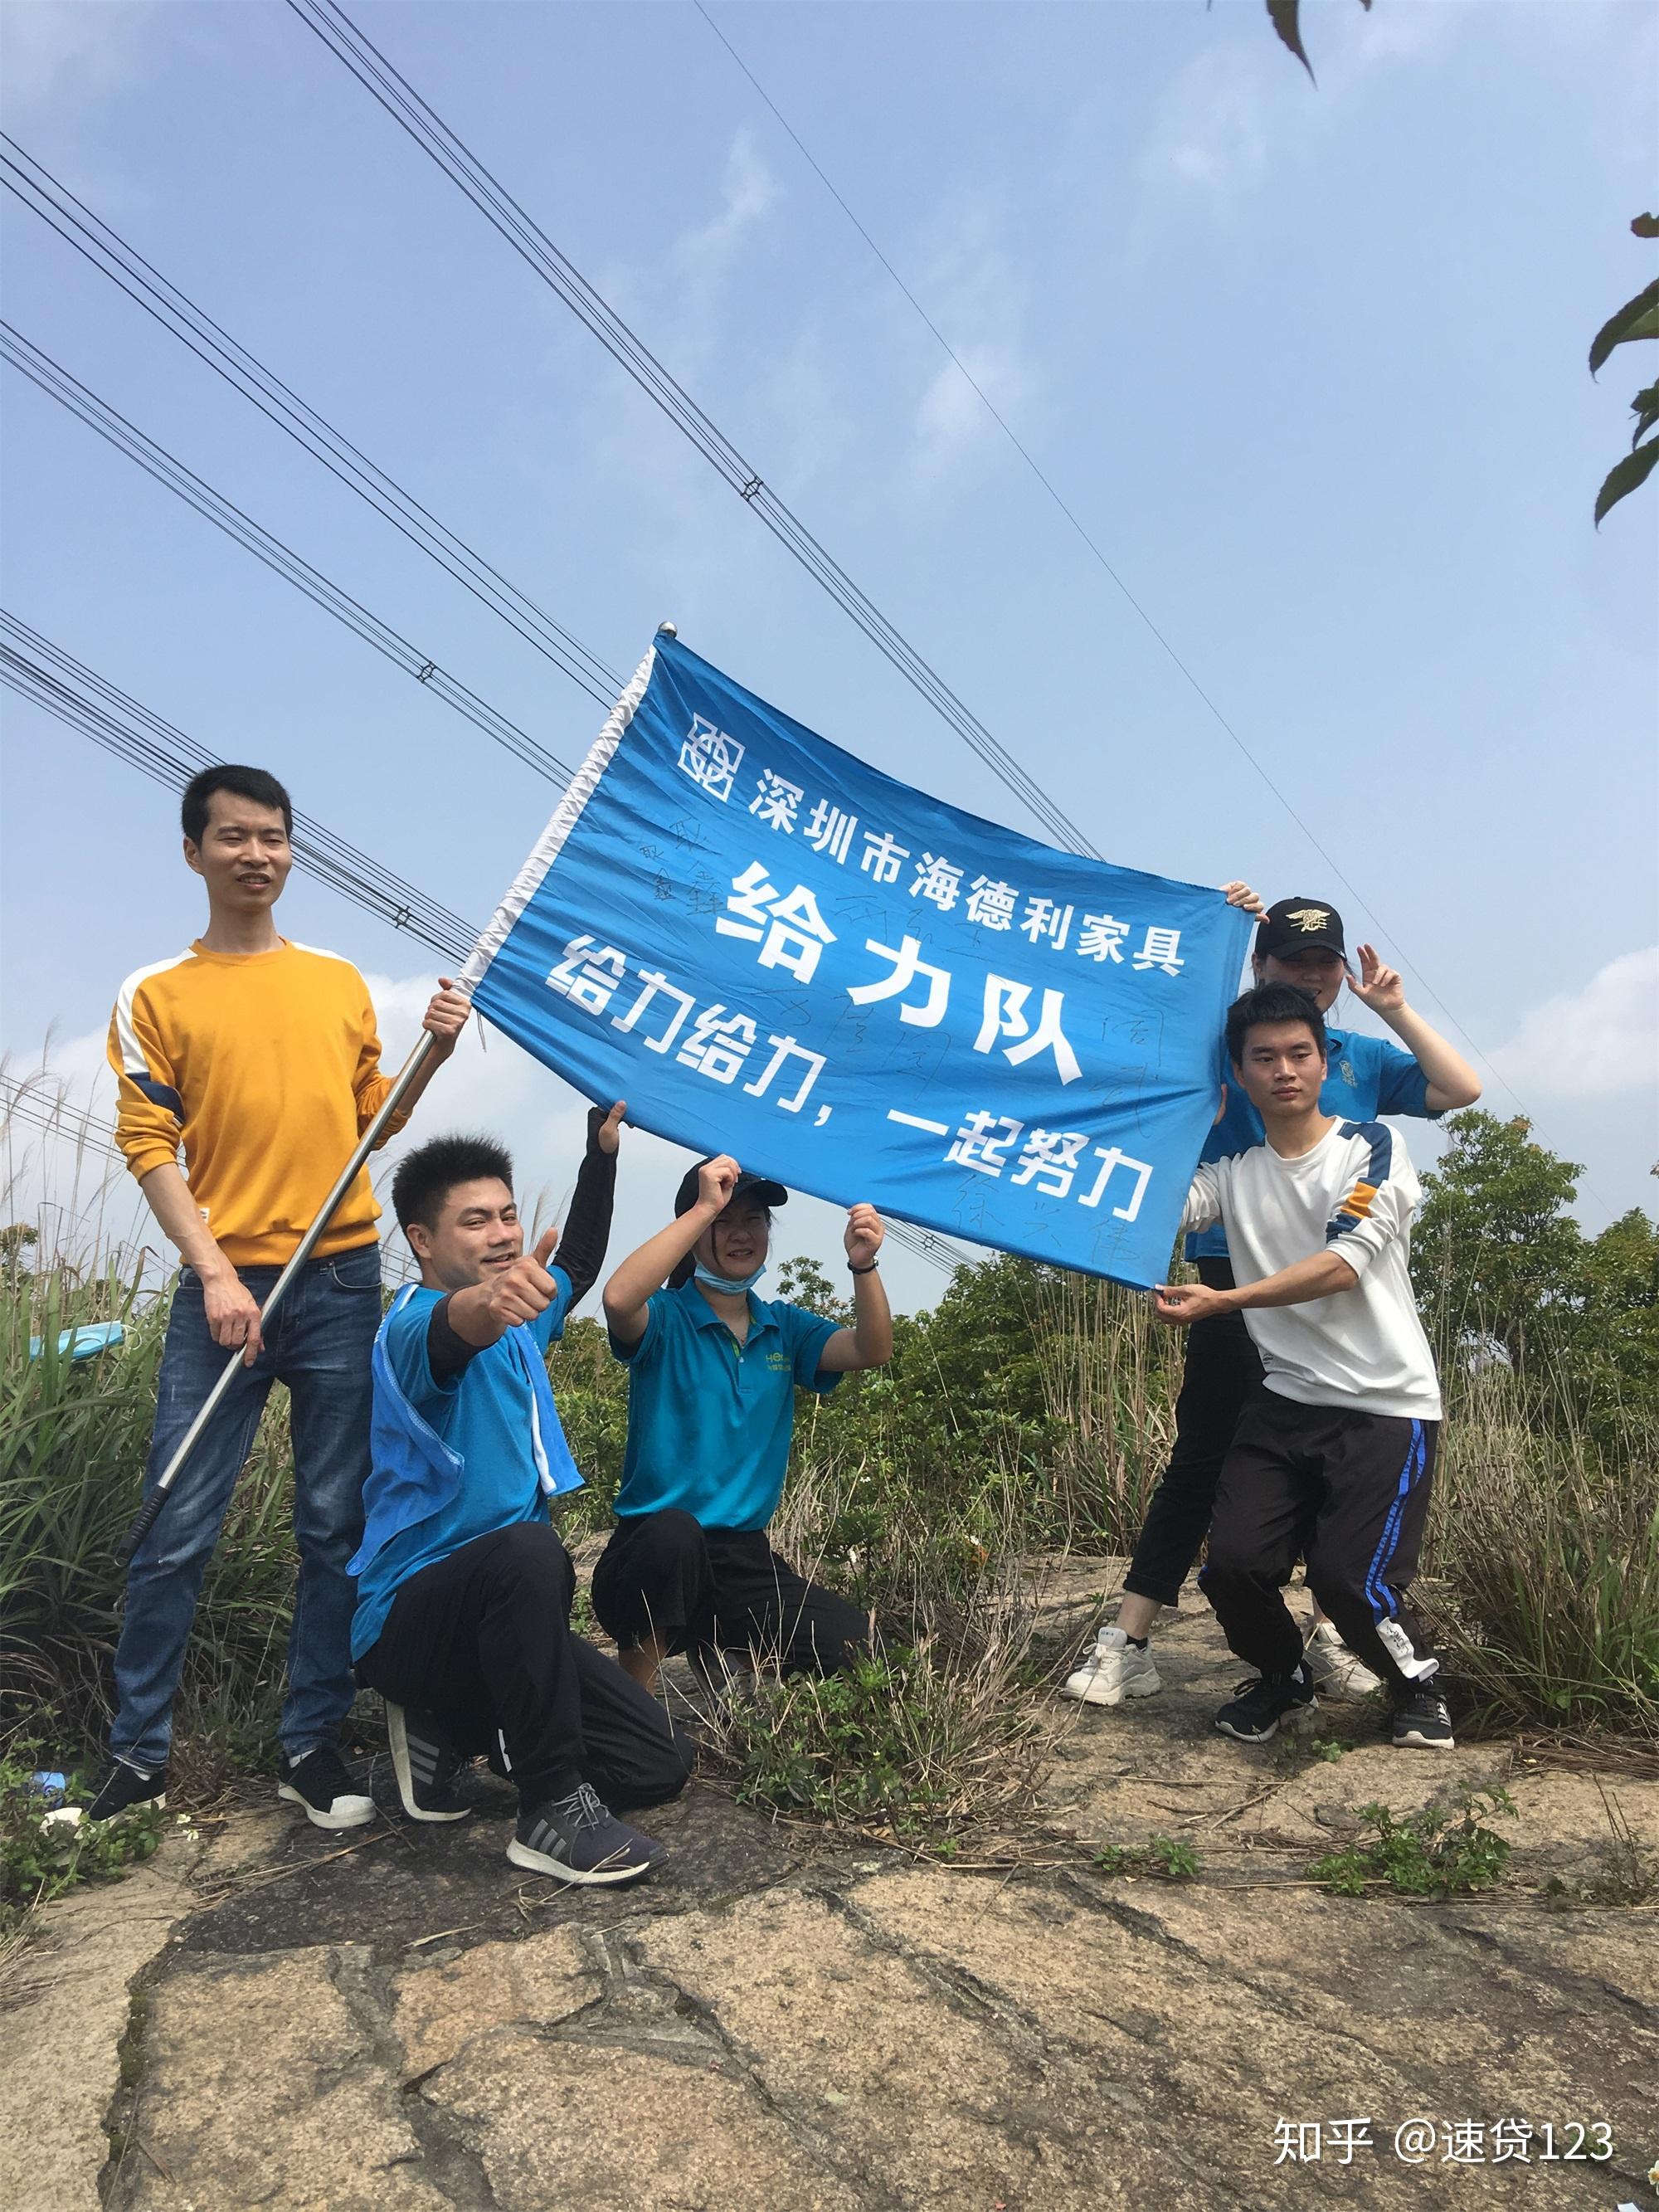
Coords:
260,1057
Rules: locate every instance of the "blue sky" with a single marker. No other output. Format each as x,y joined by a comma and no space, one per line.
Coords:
1308,363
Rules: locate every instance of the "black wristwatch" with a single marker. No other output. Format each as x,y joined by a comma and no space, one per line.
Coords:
870,1270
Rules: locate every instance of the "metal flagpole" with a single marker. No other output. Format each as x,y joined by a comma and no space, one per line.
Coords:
149,1511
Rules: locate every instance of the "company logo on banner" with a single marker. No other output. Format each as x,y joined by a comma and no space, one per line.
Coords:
770,949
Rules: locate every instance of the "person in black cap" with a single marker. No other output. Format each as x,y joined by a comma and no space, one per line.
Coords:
1299,941
711,1408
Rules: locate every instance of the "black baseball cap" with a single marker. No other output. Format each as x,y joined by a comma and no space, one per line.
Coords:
1298,924
747,1186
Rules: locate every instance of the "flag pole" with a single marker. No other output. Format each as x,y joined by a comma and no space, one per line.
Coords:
150,1511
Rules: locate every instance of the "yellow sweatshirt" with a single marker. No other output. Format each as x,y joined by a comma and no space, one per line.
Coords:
267,1067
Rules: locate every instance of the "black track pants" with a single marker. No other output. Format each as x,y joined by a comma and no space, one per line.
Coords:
1346,1492
482,1641
664,1574
1223,1373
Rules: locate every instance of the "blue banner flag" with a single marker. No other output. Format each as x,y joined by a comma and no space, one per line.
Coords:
770,949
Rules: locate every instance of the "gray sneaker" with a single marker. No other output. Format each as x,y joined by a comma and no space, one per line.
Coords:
579,1839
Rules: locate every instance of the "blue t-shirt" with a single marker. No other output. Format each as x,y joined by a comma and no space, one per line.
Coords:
485,1414
1363,1077
709,1420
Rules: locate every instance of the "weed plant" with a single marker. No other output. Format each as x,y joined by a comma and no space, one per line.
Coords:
40,1859
1439,1851
1162,1858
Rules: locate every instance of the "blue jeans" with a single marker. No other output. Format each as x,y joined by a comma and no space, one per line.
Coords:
320,1347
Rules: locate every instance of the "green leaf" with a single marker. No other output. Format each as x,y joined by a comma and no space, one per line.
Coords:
1636,319
1283,15
1633,471
1646,226
1646,409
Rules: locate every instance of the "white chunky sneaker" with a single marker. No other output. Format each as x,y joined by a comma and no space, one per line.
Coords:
1113,1670
1336,1671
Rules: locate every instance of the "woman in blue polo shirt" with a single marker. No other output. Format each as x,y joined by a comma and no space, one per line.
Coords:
711,1407
1299,941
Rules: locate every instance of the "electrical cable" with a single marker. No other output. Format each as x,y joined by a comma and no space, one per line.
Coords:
399,100
72,1125
55,379
76,695
1098,553
32,183
33,666
422,124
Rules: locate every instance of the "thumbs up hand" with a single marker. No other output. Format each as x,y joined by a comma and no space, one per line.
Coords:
523,1289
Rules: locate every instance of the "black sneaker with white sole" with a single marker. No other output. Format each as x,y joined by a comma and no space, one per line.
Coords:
124,1787
1263,1703
429,1768
579,1839
325,1785
1422,1720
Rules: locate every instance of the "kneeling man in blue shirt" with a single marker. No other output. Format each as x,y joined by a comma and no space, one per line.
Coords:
711,1408
463,1590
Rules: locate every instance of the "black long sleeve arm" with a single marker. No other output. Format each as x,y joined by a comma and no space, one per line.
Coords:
581,1247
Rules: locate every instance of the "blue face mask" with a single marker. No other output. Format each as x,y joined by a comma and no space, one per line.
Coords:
733,1286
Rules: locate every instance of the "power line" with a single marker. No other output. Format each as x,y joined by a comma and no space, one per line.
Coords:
1094,548
70,1125
32,183
52,378
428,129
399,100
38,669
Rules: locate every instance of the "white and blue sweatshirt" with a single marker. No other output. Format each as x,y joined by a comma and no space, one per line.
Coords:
1356,1192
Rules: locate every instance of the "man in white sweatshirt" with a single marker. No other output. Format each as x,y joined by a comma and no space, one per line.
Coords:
1333,1462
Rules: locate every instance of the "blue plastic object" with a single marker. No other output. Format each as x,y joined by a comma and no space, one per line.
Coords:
82,1343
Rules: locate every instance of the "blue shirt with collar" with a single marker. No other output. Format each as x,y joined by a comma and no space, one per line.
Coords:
1364,1077
709,1420
457,1456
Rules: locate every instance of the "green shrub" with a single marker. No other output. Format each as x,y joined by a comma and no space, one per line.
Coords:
1160,1856
1438,1851
40,1860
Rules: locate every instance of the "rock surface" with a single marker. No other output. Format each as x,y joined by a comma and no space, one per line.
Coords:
401,2019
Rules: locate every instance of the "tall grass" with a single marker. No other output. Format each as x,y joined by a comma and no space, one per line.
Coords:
1110,1374
1544,1555
1035,1418
74,1435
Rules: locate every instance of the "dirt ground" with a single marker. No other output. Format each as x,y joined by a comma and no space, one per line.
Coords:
398,2020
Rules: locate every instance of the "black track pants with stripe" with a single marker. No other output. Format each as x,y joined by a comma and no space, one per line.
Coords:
1349,1492
482,1641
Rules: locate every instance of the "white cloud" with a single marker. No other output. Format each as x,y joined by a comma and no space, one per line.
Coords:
70,49
1240,100
972,290
748,193
1211,132
1592,1043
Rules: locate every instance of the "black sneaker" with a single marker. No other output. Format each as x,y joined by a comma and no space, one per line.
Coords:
1255,1714
429,1766
579,1839
123,1788
330,1792
1421,1720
